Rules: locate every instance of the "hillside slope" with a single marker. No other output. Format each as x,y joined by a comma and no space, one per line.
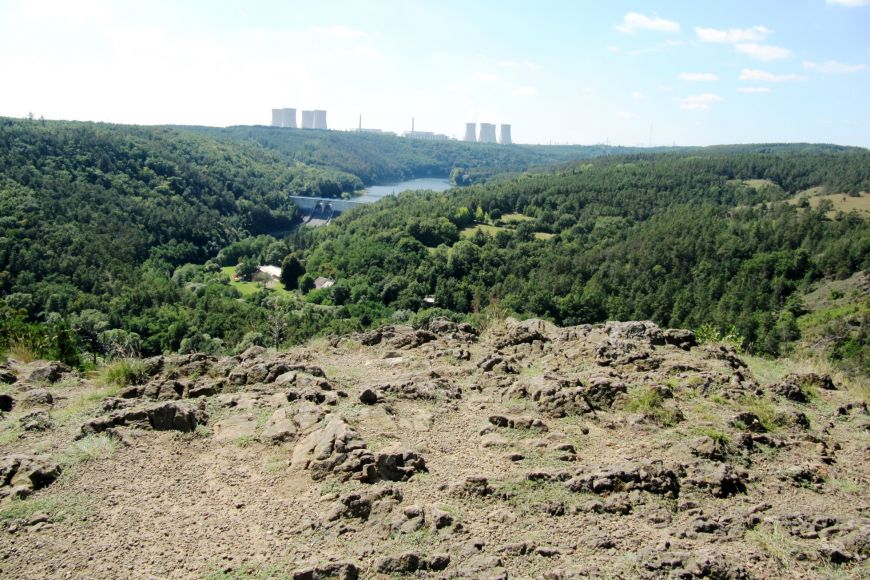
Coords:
531,451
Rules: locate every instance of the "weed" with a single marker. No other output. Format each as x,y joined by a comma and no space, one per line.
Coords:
58,507
202,431
770,418
714,434
526,496
251,572
82,404
125,372
22,353
90,448
707,333
244,441
274,463
651,402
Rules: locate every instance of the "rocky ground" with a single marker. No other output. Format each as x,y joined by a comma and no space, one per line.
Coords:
618,450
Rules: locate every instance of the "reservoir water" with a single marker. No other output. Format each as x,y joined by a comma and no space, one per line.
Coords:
375,192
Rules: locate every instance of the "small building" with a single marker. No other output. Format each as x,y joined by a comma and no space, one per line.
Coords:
320,282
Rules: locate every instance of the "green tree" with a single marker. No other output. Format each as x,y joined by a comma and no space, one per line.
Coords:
291,270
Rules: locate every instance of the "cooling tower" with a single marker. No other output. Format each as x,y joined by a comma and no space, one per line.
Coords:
470,132
307,119
487,133
320,119
288,118
276,117
504,134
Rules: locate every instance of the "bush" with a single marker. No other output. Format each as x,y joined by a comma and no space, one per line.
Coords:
125,372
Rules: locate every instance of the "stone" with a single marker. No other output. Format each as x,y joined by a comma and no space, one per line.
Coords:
50,372
161,416
7,377
749,421
365,504
719,478
35,397
21,475
7,403
471,486
280,427
35,421
370,397
328,571
650,477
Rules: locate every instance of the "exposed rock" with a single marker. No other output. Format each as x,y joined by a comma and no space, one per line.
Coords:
651,477
365,504
518,423
411,562
49,372
370,397
335,448
35,421
561,398
7,403
168,416
471,486
7,377
21,475
749,421
681,338
328,571
35,397
811,380
398,337
792,391
719,478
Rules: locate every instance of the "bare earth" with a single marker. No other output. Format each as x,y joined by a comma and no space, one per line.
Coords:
618,451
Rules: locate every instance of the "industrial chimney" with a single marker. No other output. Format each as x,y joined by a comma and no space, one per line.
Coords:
487,133
504,135
276,117
470,132
320,119
288,118
308,119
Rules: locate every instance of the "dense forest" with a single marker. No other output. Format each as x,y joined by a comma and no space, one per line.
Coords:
382,158
117,240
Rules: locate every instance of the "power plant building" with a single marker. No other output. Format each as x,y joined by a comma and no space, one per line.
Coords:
470,132
284,118
487,133
320,119
308,119
504,134
288,118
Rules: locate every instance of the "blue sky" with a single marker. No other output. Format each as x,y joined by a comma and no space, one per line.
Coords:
666,72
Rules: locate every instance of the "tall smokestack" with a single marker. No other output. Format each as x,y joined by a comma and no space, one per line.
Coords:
276,117
470,132
288,118
320,119
504,135
487,133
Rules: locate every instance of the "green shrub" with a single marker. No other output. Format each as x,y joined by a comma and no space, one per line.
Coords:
125,372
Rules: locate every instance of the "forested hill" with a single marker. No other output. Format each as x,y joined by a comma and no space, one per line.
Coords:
126,235
379,158
713,238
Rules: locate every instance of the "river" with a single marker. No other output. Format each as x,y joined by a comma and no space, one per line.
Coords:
375,192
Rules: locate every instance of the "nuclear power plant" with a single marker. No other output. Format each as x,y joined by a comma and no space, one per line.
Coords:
504,134
487,133
286,118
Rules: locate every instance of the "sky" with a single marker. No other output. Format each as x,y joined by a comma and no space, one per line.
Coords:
575,71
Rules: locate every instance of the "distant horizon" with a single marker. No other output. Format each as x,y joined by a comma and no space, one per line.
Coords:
626,72
399,135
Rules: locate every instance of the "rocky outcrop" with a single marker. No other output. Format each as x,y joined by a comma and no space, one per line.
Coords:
21,475
168,416
652,477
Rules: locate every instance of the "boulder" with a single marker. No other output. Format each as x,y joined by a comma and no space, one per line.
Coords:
21,475
49,372
166,416
334,448
719,478
7,403
328,571
7,377
652,477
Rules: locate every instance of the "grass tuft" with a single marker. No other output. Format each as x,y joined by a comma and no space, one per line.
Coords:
650,401
124,373
90,448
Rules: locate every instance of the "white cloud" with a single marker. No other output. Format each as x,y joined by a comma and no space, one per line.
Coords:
832,67
753,90
633,21
626,115
517,63
700,102
485,77
732,35
749,74
525,92
850,3
338,32
764,52
697,77
615,49
638,95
